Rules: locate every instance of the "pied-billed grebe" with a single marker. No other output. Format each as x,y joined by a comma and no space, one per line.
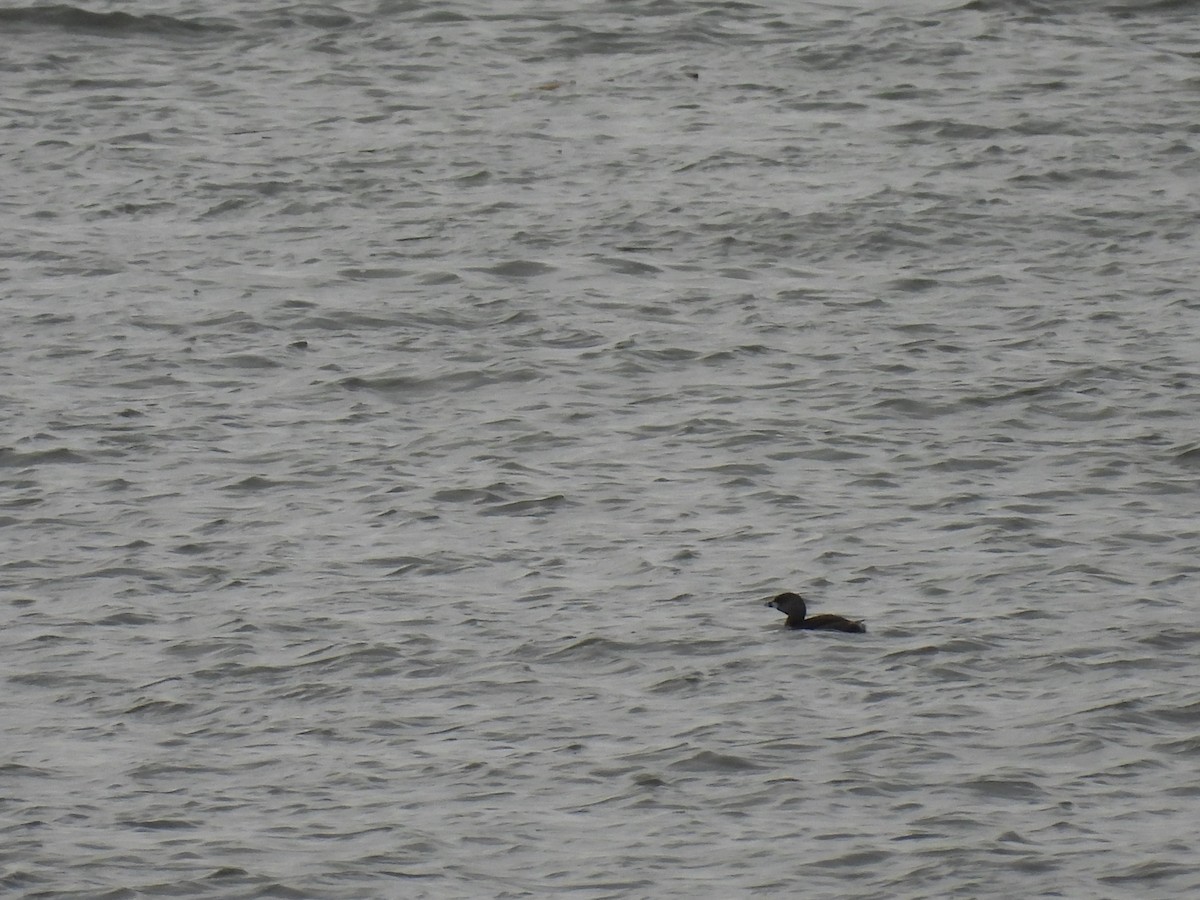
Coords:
792,606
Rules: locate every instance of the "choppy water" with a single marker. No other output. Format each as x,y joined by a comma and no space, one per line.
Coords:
408,406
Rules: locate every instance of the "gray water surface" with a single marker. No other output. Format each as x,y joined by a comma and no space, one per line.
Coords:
408,407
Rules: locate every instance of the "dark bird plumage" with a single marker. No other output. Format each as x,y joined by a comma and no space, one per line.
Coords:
793,606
